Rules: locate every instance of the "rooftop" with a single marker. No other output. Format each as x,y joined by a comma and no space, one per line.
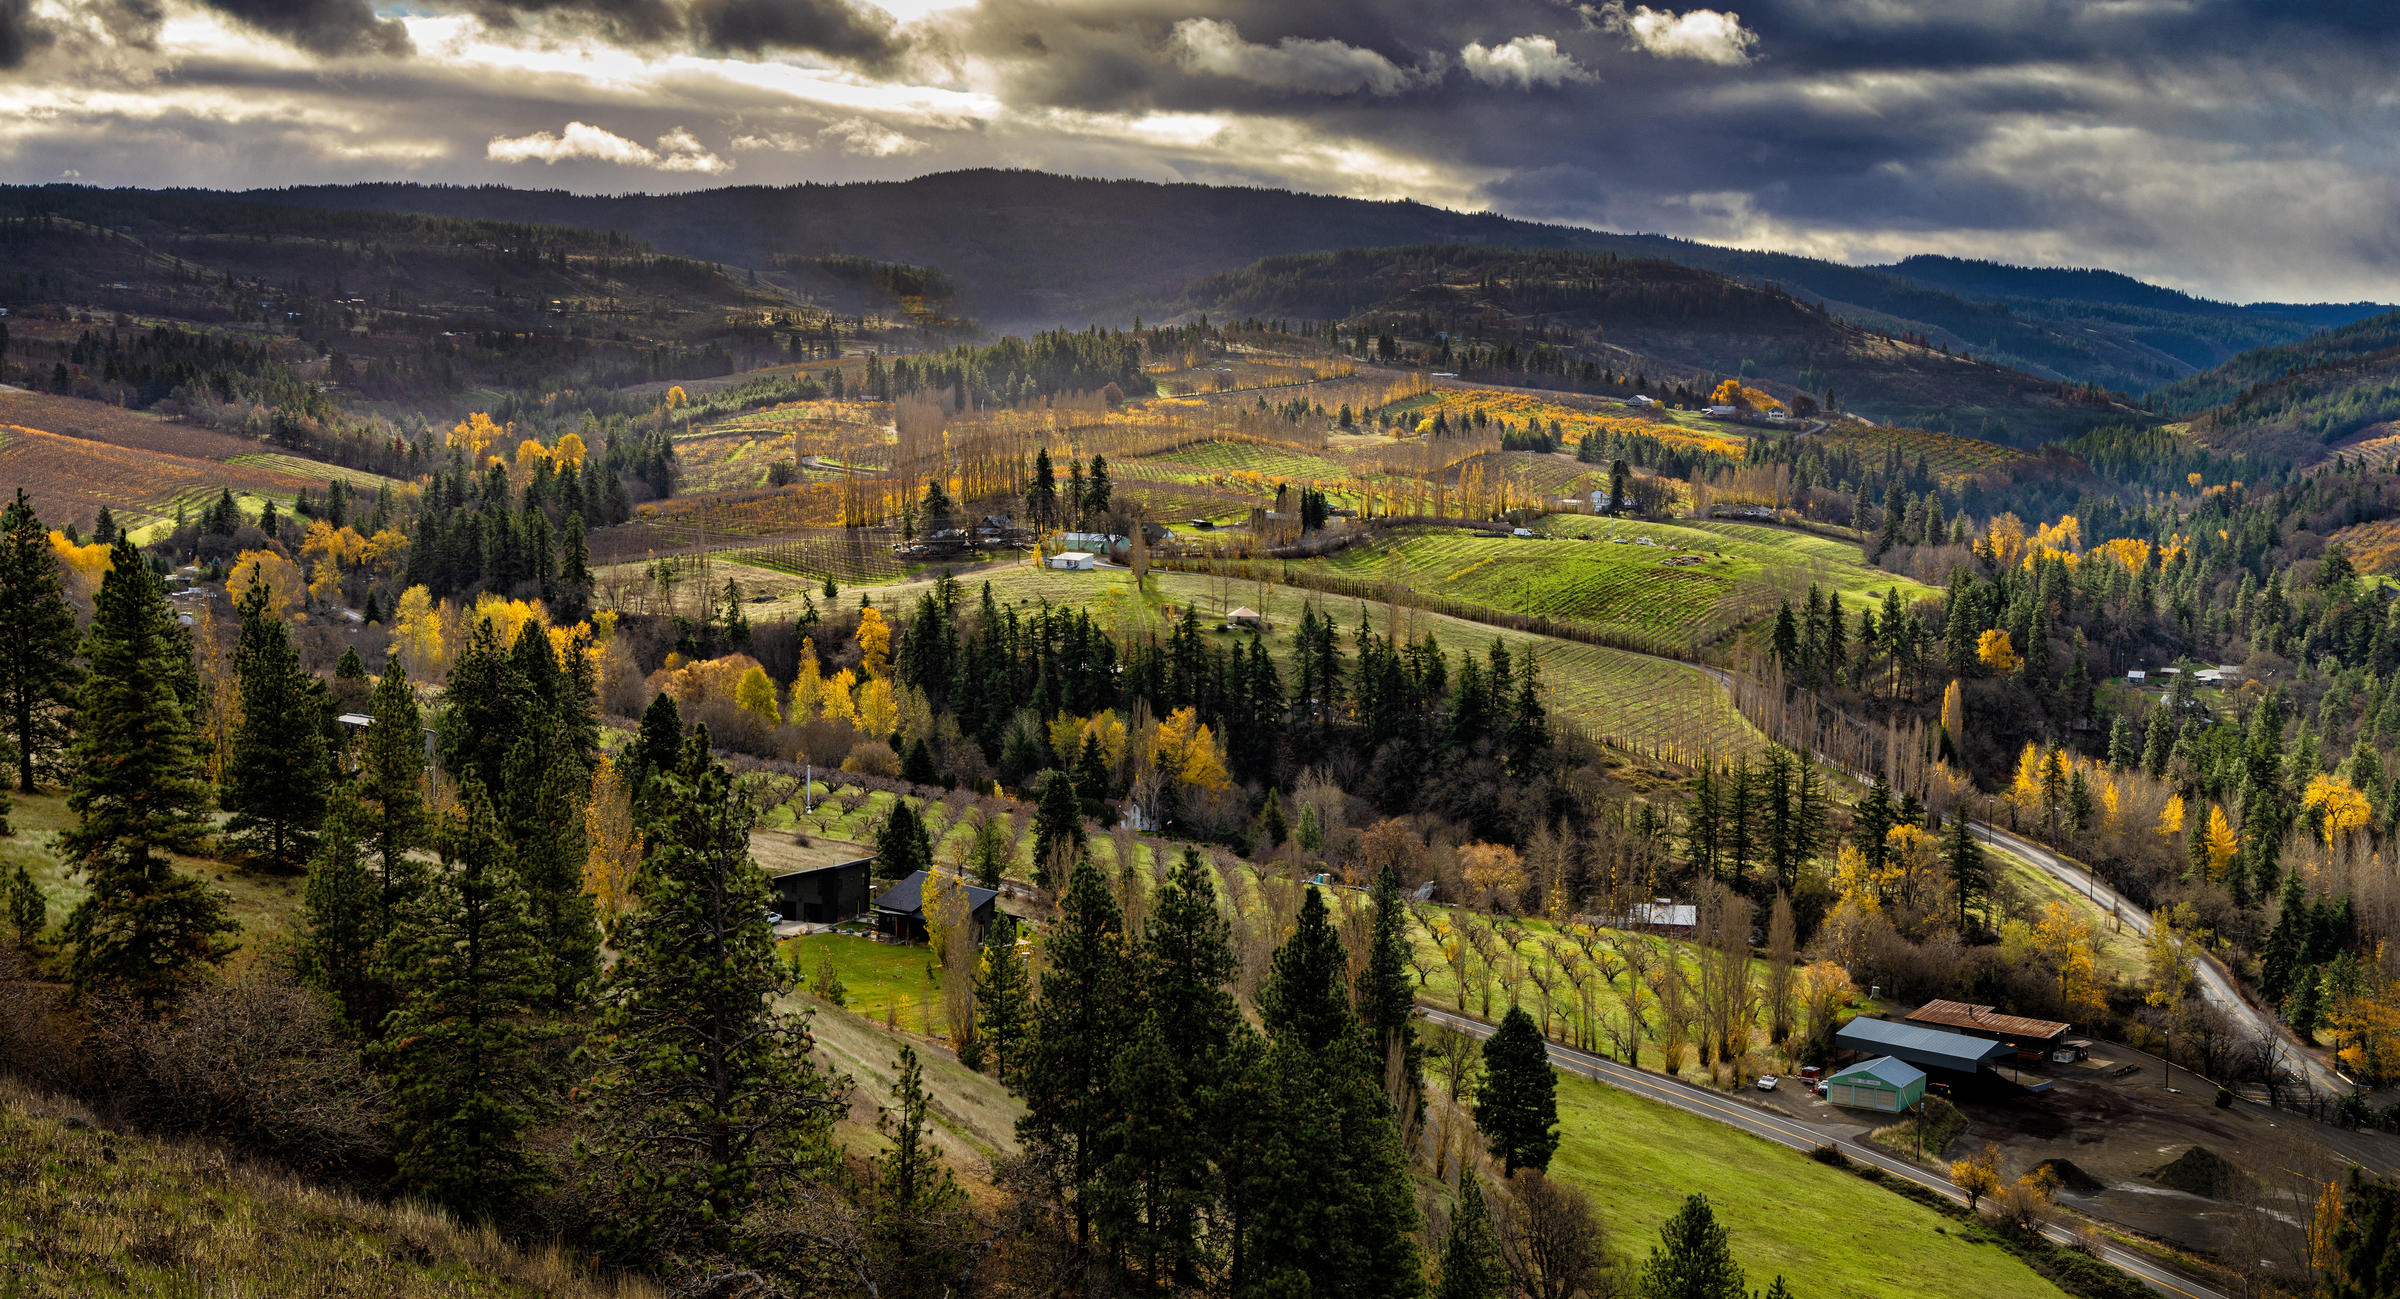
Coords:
908,896
1925,1048
1959,1014
1883,1069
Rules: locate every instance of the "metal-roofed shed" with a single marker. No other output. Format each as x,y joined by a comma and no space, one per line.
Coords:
2033,1038
1925,1048
1883,1084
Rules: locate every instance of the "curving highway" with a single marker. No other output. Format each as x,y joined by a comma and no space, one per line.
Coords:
1800,1135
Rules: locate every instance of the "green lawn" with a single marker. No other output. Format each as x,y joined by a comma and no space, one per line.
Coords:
881,979
1828,1233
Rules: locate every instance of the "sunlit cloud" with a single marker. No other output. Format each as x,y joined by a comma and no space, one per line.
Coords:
678,149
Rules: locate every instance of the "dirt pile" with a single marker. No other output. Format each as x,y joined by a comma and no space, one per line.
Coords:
2071,1179
2200,1171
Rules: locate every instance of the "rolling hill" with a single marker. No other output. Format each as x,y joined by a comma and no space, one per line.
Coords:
1663,319
1028,249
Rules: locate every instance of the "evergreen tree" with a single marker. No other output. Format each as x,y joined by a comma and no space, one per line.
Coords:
391,784
1472,1267
1057,827
277,774
1003,1005
1387,999
660,745
1516,1106
901,846
705,1098
1092,785
37,646
28,910
1970,877
139,793
1080,1022
544,823
1155,1181
2365,1262
460,1048
341,941
1694,1258
2287,943
1305,998
913,1188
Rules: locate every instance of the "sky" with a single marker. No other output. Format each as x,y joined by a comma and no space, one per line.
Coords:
2242,149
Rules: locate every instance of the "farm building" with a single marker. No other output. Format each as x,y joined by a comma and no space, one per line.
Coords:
823,895
1926,1048
1080,561
900,911
1243,616
2032,1038
1665,916
1101,543
1883,1084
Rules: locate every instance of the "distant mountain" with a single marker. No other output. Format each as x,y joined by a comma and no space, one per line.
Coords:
1668,321
1031,249
2226,382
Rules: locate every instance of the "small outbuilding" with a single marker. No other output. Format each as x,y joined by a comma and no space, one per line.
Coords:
1883,1084
900,911
1243,616
1079,561
2032,1038
823,895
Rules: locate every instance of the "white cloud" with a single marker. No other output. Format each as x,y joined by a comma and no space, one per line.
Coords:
678,150
771,141
1525,62
1703,34
1316,67
857,135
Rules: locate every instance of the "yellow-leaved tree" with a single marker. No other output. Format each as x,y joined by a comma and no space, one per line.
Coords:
808,685
874,643
1954,712
474,433
2170,818
878,712
417,634
755,695
838,706
615,838
1993,650
2065,939
280,576
1183,745
2219,841
2342,809
85,564
569,452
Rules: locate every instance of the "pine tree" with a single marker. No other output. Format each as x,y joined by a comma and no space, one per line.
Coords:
139,792
460,1048
1003,1005
391,784
1387,999
659,746
913,1188
1694,1258
1080,1022
1970,877
705,1098
28,910
1155,1181
278,772
545,827
37,646
1472,1267
1091,778
901,847
1057,827
1516,1107
342,934
1305,999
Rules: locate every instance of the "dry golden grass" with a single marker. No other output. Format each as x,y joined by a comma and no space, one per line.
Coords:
84,1211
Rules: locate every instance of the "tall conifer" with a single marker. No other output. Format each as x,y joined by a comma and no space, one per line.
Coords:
37,646
277,775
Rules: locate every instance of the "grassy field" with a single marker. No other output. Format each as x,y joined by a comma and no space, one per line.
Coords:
1684,583
264,905
1630,698
884,982
1828,1233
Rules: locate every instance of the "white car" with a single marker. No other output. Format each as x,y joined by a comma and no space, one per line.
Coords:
1767,1082
774,918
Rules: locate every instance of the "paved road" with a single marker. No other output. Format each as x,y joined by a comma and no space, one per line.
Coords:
1801,1135
2216,985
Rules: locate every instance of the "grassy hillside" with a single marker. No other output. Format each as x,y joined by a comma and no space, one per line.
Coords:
2225,382
84,1211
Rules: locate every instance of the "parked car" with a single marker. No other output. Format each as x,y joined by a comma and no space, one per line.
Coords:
774,917
1767,1082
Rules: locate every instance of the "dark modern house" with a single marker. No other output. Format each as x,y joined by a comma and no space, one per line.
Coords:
900,911
823,895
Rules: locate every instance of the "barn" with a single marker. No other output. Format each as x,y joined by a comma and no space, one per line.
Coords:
1080,561
1952,1054
1882,1084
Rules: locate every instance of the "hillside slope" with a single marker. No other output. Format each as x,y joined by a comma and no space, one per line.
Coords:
2228,381
1032,249
1657,317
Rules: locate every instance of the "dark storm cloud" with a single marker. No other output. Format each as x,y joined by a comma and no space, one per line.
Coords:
327,27
838,28
20,35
